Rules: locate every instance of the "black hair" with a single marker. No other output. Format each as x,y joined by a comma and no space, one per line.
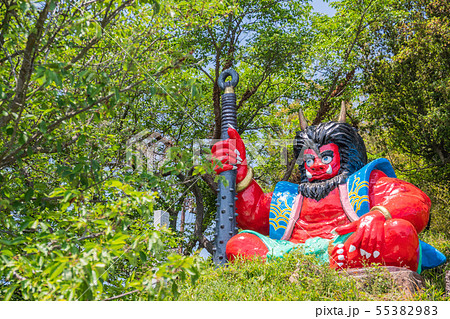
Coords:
351,150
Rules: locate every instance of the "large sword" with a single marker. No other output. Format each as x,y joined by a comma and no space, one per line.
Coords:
226,217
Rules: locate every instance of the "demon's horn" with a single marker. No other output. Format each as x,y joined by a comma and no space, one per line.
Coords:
302,119
342,113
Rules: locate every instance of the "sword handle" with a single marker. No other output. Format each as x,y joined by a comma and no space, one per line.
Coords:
226,217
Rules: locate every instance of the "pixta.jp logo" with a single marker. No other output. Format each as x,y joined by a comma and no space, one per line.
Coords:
147,150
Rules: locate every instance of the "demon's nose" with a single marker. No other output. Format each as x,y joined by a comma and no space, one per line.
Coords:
318,166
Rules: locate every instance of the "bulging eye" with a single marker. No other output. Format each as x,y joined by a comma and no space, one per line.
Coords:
309,162
327,159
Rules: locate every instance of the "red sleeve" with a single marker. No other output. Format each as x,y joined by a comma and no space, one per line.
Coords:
253,208
402,199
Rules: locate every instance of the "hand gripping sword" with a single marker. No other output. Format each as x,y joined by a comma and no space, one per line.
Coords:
226,217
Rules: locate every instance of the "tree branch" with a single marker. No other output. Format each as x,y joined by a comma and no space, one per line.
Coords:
103,24
209,179
289,169
198,227
122,295
6,160
249,92
324,103
19,276
206,73
27,66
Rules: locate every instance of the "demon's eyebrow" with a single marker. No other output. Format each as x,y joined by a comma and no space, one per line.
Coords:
327,153
308,156
310,144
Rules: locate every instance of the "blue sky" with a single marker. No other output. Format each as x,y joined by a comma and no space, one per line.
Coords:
323,7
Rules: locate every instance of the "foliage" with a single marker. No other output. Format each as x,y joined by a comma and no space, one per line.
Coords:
93,252
405,74
406,81
76,220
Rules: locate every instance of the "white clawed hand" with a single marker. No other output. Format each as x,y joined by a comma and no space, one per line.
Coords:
341,256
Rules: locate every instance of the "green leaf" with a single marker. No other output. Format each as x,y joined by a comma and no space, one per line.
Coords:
5,242
143,256
10,292
29,194
119,238
26,224
42,127
57,270
175,289
6,252
115,183
23,138
25,6
18,241
55,77
52,5
67,196
98,29
78,168
95,165
193,91
81,140
156,7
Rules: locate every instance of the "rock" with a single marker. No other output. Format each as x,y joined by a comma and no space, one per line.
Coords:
405,279
294,277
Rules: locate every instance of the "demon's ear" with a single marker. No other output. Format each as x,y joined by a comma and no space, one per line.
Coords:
343,112
302,119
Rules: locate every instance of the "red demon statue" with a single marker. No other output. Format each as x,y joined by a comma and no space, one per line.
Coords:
348,213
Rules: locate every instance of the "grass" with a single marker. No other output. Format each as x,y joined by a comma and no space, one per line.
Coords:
435,278
297,277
